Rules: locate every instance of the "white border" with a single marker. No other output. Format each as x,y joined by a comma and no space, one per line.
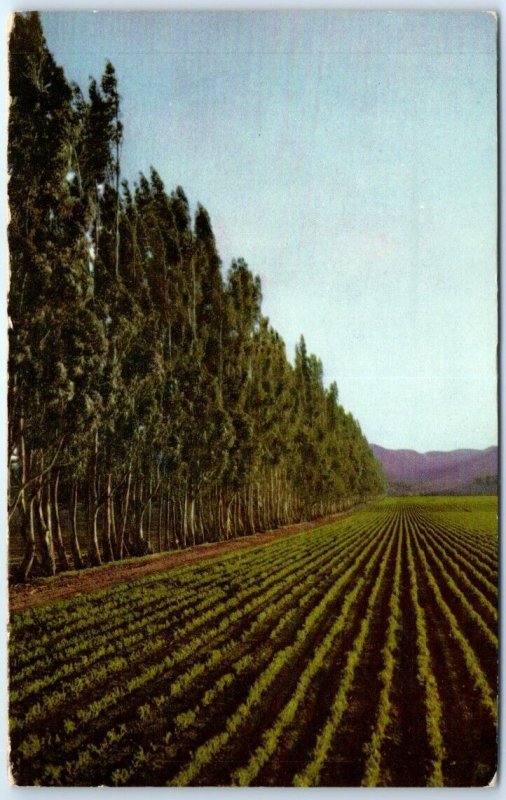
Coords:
7,791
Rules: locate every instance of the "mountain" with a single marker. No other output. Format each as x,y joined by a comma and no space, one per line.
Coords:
453,472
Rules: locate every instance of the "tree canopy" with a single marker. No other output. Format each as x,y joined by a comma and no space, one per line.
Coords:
151,404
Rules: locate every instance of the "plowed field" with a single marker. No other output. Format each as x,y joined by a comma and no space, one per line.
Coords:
360,653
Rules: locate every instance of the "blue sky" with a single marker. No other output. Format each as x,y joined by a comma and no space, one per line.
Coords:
350,158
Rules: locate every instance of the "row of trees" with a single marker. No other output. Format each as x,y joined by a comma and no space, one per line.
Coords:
151,404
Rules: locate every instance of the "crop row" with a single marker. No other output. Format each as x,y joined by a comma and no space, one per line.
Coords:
433,708
214,608
470,657
174,604
341,556
285,659
441,567
464,570
310,775
211,674
480,550
186,722
372,772
74,618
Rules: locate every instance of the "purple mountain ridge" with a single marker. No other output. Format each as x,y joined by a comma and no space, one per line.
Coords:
463,471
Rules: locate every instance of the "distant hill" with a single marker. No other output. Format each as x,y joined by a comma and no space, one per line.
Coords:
454,472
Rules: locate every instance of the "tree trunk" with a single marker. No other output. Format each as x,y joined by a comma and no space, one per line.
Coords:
121,547
74,537
94,558
114,532
28,533
263,493
159,520
45,539
200,520
145,507
185,518
27,530
221,526
150,513
251,511
192,521
169,515
179,523
138,527
107,543
228,519
237,523
63,562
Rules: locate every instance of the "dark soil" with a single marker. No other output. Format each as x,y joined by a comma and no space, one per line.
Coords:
469,735
406,749
345,764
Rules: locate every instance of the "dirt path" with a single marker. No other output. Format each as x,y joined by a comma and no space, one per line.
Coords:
61,587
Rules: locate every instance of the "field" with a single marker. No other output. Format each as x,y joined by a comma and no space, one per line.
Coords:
360,653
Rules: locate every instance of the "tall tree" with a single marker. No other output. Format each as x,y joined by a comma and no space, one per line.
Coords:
54,340
147,393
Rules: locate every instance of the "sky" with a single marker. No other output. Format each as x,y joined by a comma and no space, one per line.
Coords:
351,160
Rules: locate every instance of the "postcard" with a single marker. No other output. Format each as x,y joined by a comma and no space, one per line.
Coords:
252,401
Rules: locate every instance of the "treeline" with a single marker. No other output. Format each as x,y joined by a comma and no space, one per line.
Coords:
151,405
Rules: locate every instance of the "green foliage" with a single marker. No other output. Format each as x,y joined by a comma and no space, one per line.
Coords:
384,719
219,662
427,679
144,375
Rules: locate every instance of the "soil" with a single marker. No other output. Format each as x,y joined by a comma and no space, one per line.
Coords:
468,733
345,764
406,747
49,590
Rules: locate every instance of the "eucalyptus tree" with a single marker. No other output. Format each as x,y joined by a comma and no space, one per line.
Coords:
270,405
98,155
49,298
142,382
204,444
241,319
